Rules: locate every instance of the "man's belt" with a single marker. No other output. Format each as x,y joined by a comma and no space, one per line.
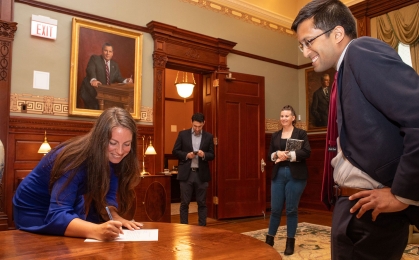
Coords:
342,191
194,169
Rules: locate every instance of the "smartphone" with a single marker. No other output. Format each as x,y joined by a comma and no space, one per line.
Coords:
195,152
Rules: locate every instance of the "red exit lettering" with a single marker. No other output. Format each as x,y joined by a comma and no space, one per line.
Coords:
44,30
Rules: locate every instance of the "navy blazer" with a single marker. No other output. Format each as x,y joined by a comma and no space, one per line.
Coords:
378,115
299,168
183,146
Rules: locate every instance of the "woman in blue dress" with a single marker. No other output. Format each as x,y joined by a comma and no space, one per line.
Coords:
67,192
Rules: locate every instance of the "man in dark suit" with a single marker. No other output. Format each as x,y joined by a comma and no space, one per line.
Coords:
194,148
320,104
97,74
376,167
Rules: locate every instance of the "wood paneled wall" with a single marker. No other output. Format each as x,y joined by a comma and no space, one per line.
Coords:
25,138
311,195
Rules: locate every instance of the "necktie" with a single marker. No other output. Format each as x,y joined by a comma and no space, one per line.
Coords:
107,73
332,133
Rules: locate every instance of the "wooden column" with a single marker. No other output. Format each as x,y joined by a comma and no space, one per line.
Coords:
7,32
159,65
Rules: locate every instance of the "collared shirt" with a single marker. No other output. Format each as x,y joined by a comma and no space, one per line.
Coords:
196,143
345,174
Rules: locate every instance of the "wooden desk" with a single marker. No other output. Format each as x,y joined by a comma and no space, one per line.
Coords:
121,95
176,241
153,199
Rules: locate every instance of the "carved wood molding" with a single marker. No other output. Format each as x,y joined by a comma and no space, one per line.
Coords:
7,30
187,49
373,8
364,11
19,124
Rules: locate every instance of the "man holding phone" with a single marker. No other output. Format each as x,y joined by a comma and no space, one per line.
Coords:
194,148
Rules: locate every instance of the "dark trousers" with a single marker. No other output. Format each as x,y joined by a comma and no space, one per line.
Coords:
186,189
353,238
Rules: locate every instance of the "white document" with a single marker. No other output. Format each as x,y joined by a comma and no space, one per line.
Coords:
134,235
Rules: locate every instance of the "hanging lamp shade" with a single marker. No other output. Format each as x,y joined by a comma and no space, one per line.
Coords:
184,88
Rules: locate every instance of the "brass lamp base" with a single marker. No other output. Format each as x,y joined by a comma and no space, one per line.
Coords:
144,173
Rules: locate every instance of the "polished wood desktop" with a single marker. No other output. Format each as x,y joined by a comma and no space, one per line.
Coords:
176,241
119,94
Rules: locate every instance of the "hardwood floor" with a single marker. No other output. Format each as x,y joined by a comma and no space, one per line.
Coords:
241,225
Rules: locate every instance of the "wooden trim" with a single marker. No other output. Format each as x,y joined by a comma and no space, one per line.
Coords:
368,9
374,8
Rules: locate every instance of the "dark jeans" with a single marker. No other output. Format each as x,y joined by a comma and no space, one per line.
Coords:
353,238
186,190
285,190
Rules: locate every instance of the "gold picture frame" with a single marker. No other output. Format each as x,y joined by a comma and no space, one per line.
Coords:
313,83
88,39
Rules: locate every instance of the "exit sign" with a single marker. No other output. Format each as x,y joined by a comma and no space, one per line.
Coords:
44,27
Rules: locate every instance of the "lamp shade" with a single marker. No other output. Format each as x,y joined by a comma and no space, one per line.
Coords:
45,147
184,89
183,86
150,150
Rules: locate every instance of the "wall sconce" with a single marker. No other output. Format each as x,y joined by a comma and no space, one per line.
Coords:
45,147
149,151
184,88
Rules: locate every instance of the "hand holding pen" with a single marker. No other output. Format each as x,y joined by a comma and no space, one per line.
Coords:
131,225
111,219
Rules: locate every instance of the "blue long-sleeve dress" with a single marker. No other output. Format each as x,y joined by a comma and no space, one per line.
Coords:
36,210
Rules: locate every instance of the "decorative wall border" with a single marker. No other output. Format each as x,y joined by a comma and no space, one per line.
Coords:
241,15
54,106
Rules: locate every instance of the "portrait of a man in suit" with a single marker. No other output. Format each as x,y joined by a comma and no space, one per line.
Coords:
101,70
320,104
318,88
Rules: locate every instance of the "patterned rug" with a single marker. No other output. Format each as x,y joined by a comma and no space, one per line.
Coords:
313,242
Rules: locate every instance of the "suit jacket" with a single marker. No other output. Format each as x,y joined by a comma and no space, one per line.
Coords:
96,69
183,146
320,107
378,119
299,168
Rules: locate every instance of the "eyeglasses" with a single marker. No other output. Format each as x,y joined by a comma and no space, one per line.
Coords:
307,43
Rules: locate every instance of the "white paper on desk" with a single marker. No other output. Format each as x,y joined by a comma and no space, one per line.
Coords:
134,235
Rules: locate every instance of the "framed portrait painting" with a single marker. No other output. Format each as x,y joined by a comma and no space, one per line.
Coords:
318,86
105,68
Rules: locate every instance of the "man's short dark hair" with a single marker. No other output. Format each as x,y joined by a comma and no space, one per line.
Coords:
106,44
199,117
327,14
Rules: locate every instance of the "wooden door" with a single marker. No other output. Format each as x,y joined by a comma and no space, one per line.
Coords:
240,134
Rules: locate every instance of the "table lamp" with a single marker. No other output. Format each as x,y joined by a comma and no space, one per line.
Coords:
45,147
149,151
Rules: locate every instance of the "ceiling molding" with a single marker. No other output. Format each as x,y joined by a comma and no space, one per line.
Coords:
256,11
245,14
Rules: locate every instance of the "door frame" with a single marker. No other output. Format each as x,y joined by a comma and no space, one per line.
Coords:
180,49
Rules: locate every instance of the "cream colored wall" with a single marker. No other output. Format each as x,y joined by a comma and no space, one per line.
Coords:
282,84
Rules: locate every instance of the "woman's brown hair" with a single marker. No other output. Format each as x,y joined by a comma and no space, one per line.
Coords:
90,152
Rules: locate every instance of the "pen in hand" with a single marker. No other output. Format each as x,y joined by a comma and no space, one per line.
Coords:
110,217
109,213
